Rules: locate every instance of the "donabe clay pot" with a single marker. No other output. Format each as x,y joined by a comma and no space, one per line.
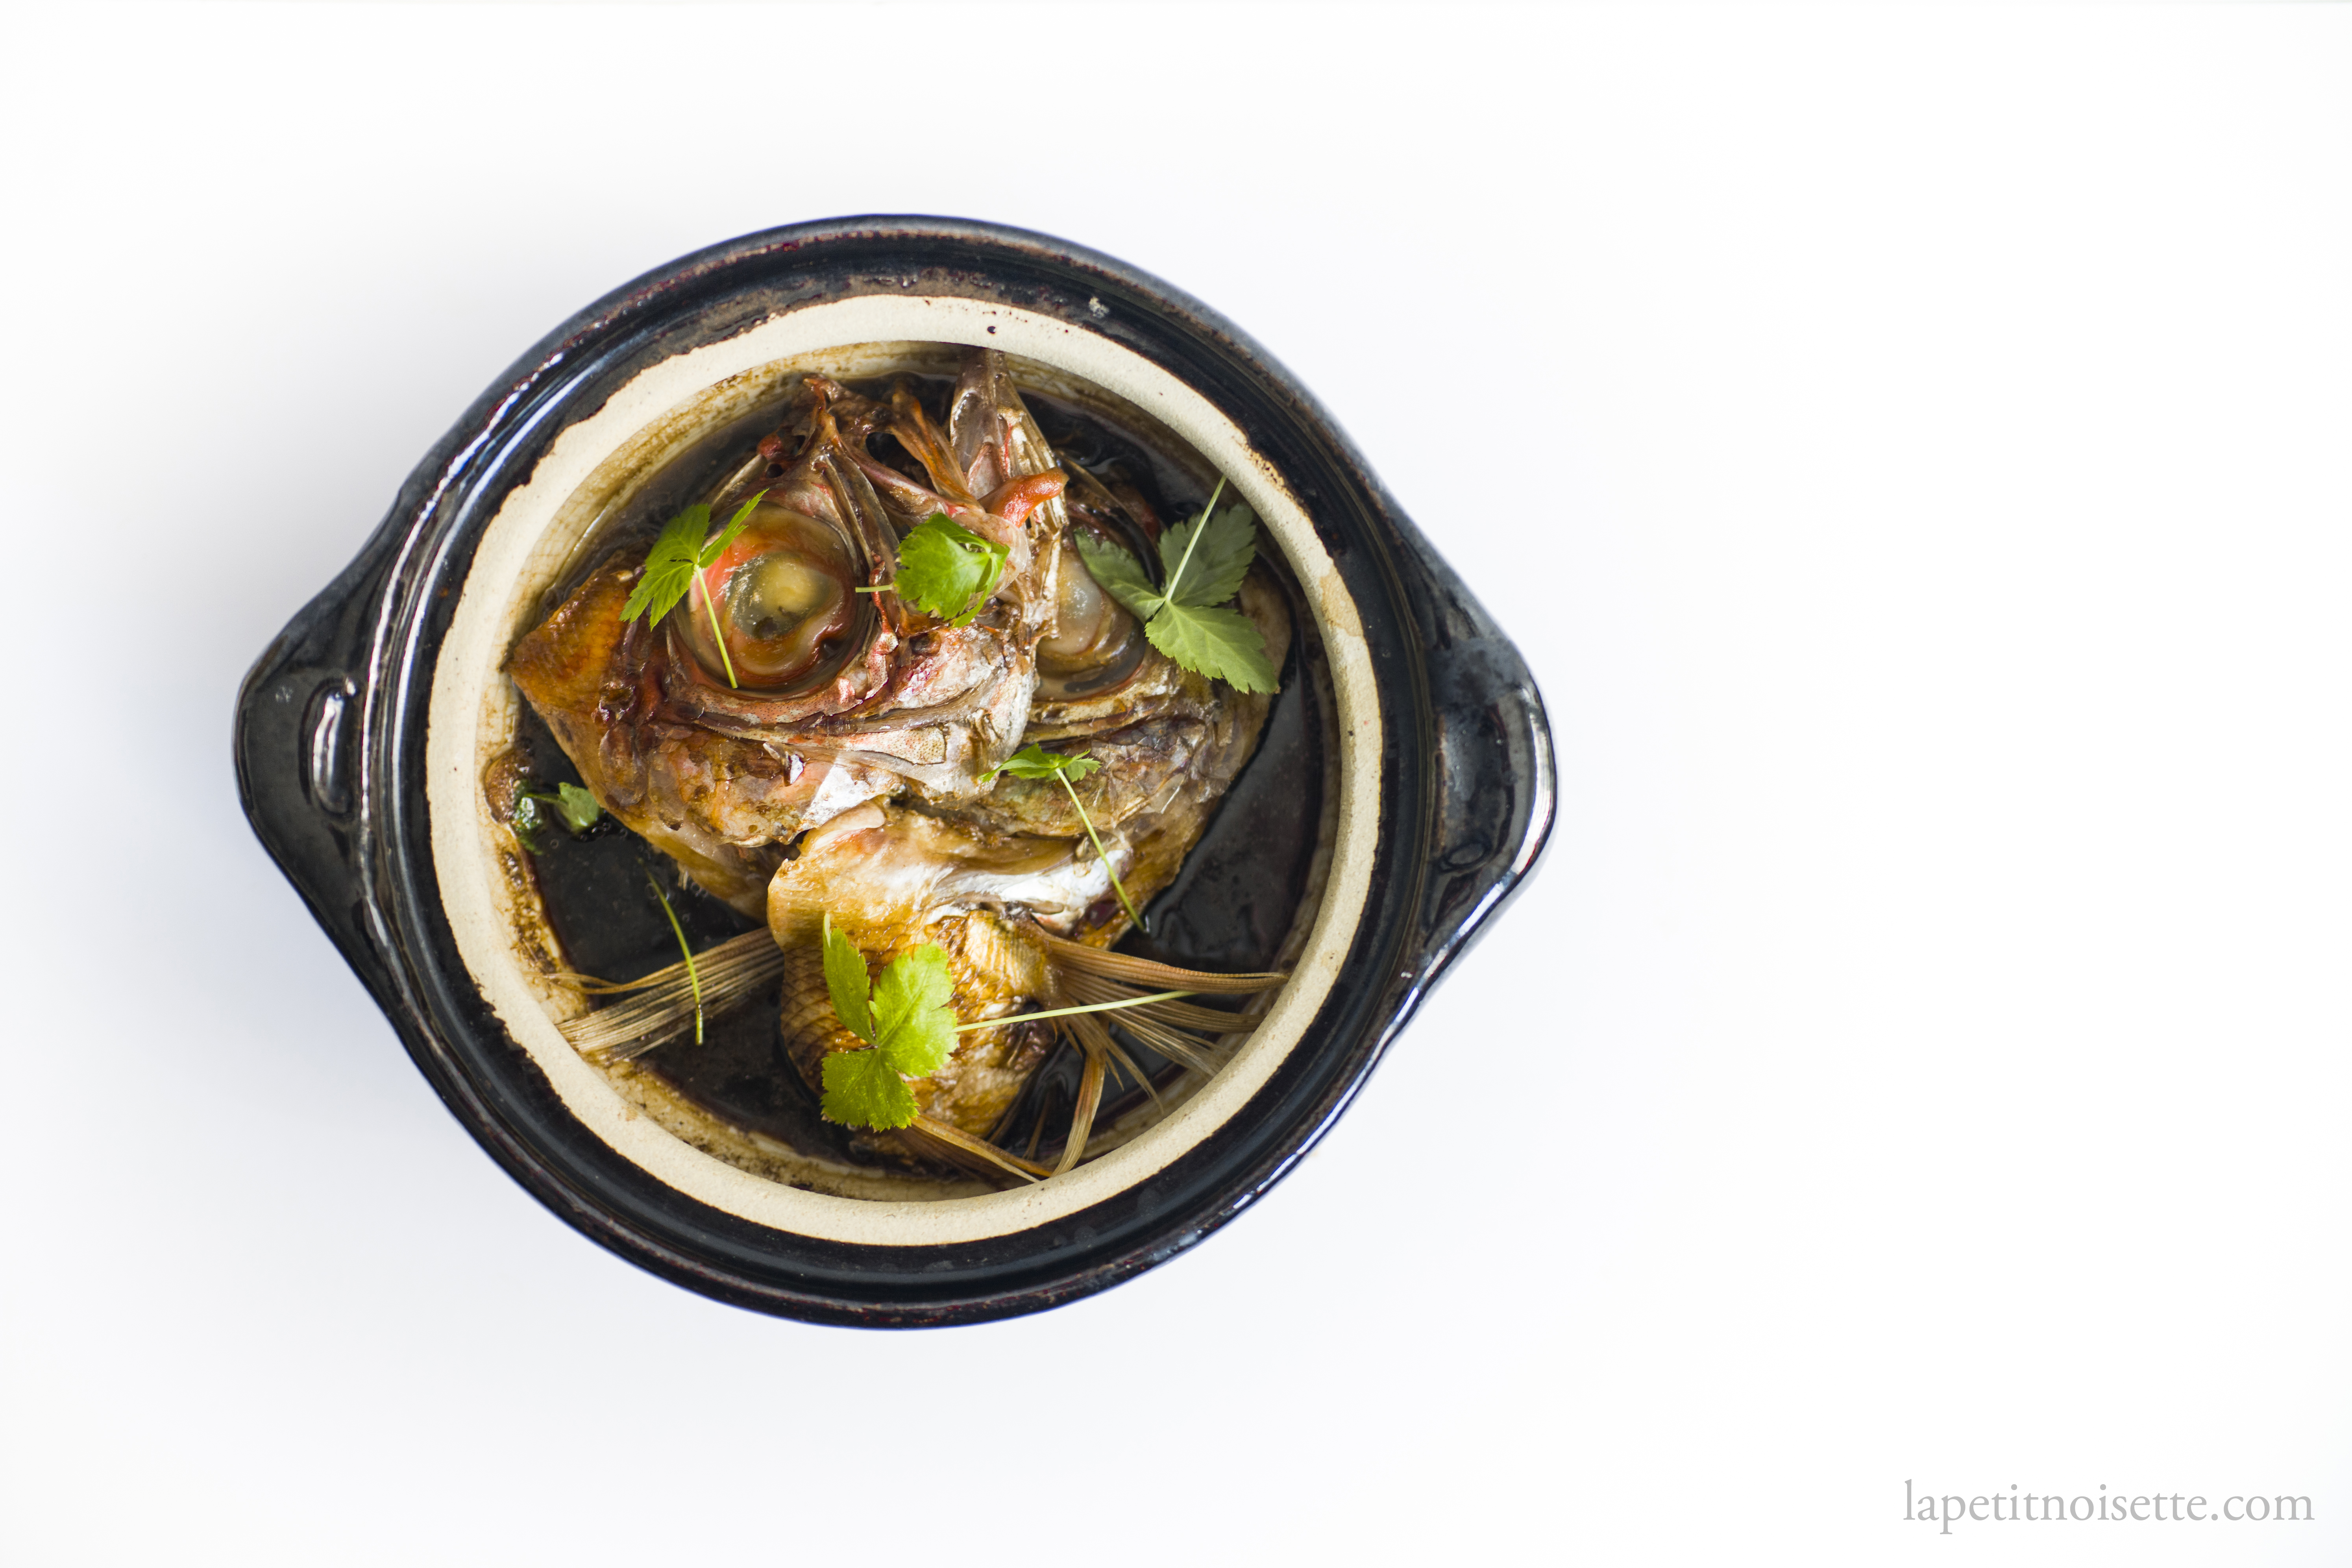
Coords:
362,729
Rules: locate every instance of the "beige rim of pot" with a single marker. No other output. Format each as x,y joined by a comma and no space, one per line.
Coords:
529,544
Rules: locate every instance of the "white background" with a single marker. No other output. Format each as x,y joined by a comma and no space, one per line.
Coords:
1912,450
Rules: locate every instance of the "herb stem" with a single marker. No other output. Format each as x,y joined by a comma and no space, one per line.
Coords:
970,605
1200,527
1066,1012
1104,854
717,636
693,980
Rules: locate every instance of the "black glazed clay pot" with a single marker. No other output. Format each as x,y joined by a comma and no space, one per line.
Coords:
361,731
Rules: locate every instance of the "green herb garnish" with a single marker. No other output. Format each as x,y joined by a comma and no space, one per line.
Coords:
675,564
573,807
907,1023
1206,560
576,806
1034,762
693,979
946,570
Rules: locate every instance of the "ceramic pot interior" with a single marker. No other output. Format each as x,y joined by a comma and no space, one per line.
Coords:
1274,881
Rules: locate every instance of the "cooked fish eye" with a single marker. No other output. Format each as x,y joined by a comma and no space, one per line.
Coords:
1096,642
1080,610
773,594
1090,626
784,591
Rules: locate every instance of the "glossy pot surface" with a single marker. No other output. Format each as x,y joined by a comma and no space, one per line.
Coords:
1454,789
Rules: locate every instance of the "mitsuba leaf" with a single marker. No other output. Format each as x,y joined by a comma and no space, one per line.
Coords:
1205,560
670,565
863,1090
571,804
914,1025
1218,562
1119,575
947,570
576,806
1034,761
845,980
909,1019
1223,645
717,547
528,822
681,537
679,554
659,590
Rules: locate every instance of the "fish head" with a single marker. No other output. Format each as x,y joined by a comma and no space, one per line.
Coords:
790,683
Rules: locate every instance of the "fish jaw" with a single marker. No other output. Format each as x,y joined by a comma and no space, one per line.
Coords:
886,874
890,881
995,971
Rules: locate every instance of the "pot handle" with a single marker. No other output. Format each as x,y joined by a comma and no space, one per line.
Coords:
299,718
1493,786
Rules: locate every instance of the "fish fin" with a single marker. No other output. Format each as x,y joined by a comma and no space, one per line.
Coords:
1027,1169
664,1010
1110,965
1092,1039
